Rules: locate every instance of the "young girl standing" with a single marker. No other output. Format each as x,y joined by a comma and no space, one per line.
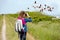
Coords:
25,18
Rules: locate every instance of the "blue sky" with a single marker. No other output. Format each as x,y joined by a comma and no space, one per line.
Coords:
13,6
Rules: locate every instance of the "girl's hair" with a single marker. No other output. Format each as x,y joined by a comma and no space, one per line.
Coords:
22,13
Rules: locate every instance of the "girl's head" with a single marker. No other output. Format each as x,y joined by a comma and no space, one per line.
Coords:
23,14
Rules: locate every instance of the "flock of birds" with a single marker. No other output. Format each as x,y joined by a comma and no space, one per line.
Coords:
41,8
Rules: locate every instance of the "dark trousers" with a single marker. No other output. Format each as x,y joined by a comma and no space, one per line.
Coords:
22,35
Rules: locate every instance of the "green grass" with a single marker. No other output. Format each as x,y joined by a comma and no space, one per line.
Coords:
42,27
36,16
45,30
1,17
10,31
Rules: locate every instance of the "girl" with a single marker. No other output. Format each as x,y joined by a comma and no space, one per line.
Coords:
25,18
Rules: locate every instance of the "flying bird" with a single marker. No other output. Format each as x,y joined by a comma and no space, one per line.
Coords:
27,8
41,10
44,8
37,6
34,7
35,2
50,9
40,6
45,5
48,6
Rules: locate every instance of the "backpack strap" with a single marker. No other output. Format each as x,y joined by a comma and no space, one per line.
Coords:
19,25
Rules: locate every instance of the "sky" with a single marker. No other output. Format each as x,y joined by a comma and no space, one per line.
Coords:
13,6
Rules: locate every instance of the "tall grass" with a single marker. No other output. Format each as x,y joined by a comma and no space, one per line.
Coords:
10,31
45,30
42,27
1,17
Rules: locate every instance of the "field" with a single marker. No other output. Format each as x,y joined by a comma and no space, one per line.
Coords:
10,32
0,25
42,27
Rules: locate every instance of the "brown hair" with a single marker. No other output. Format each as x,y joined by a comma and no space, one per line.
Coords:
22,13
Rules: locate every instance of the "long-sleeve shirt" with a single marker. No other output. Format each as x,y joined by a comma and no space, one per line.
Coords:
24,25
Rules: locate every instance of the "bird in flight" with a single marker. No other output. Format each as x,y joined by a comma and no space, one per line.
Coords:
35,2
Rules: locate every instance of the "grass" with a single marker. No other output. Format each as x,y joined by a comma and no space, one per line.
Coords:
42,27
0,25
36,16
45,30
10,33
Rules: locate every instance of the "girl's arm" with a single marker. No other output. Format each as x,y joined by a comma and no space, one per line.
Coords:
28,19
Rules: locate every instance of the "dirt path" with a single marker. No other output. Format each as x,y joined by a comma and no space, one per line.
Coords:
30,37
4,29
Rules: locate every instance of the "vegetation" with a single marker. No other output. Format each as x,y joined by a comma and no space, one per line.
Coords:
10,31
45,30
36,16
0,25
42,27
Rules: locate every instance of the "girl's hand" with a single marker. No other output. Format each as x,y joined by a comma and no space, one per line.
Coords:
28,15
